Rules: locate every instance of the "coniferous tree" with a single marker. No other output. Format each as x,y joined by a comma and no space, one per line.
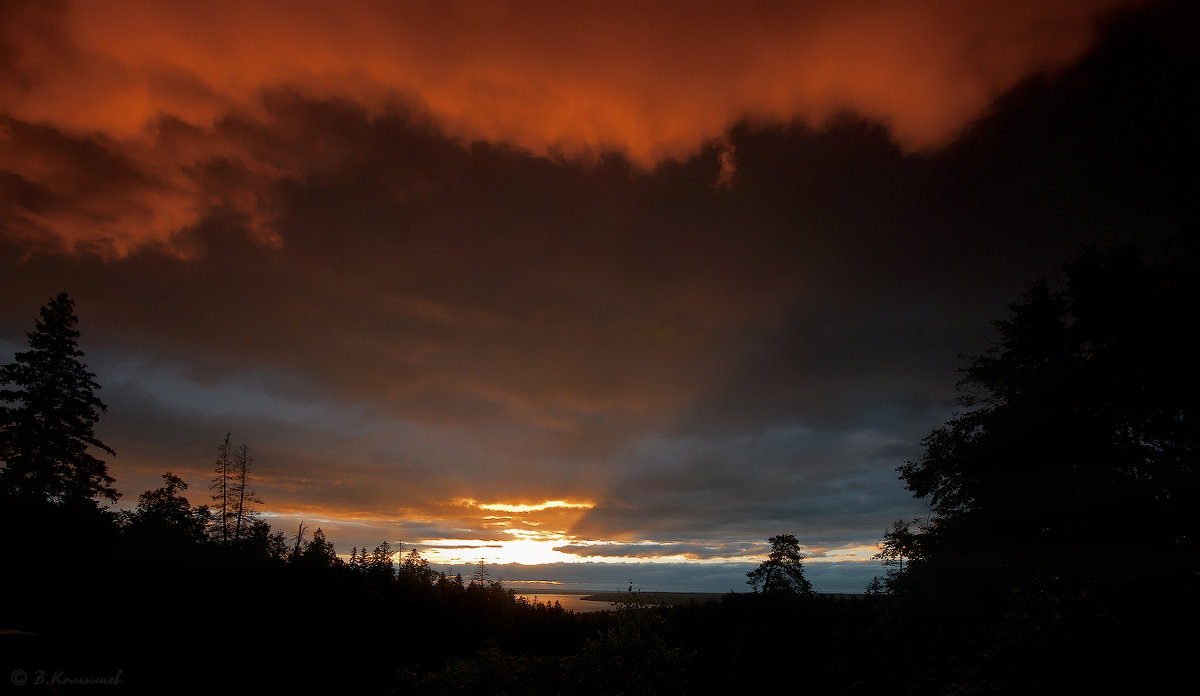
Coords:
259,541
482,576
380,562
360,563
1084,408
783,571
319,552
1077,442
221,486
46,434
416,570
164,514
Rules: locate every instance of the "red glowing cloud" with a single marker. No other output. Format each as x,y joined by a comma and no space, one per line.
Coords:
652,80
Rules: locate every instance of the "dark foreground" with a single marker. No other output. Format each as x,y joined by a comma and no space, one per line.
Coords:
1060,557
115,618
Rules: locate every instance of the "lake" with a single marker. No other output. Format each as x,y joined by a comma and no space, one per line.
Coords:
570,602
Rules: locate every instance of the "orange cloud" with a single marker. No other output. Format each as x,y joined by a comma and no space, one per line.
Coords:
523,507
652,80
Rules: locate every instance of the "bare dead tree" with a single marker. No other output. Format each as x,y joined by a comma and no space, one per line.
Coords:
242,492
222,479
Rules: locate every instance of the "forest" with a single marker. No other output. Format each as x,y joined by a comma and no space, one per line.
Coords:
1059,553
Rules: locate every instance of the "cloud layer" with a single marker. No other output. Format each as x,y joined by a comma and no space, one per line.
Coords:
168,100
706,280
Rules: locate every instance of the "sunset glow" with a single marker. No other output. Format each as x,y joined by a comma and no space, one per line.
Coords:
558,283
168,88
503,507
526,548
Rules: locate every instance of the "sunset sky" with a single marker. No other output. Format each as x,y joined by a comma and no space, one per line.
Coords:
613,290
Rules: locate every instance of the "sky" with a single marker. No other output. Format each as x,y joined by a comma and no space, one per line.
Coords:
599,295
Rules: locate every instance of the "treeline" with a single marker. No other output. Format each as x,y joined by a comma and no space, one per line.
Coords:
175,608
1059,555
173,597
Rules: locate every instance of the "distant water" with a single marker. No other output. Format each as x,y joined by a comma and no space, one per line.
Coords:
570,602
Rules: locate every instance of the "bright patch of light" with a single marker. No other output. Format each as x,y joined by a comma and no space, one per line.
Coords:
505,507
848,553
527,551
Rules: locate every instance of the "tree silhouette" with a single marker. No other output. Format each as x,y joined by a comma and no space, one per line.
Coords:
632,656
899,543
415,570
259,540
1063,494
379,564
235,516
783,571
242,494
46,436
481,576
166,515
1084,411
319,551
222,494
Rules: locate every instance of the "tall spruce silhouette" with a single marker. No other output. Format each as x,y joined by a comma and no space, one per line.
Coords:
46,431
